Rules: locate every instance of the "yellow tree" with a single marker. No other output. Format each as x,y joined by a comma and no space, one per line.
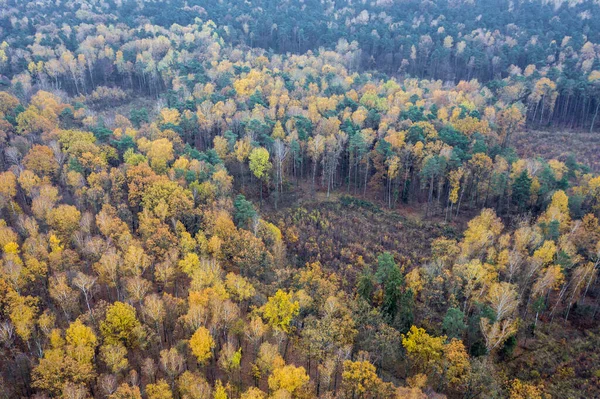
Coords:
81,342
242,150
122,326
288,378
253,393
160,153
193,386
425,351
476,278
481,233
220,391
169,116
22,311
454,178
280,310
557,212
114,356
202,344
509,120
260,165
456,365
41,160
523,390
159,390
66,362
238,287
8,188
360,380
65,220
126,391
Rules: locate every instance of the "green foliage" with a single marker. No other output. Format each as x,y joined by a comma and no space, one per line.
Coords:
366,284
244,212
521,190
138,116
386,266
393,284
453,323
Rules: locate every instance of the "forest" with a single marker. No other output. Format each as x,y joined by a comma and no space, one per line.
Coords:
299,199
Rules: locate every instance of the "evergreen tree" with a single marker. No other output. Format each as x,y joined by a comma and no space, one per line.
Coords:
521,189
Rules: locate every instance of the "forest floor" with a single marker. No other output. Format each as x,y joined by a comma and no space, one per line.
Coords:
344,232
108,114
559,145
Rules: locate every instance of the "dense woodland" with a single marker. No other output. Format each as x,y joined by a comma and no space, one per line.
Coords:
297,200
487,40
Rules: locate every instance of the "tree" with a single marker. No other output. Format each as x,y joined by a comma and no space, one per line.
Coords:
34,122
65,220
172,362
230,358
122,326
159,390
244,212
193,386
424,350
392,292
239,287
509,120
523,390
41,161
220,391
454,324
260,165
115,357
7,102
81,342
280,150
86,284
253,393
8,188
481,233
316,146
288,378
359,380
63,294
521,190
22,311
67,362
280,310
503,299
167,199
202,344
385,265
456,365
557,213
366,284
126,391
159,154
497,332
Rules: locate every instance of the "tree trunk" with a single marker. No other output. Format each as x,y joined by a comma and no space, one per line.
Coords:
594,118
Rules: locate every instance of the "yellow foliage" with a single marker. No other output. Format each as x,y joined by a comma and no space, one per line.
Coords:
288,378
202,344
280,309
424,350
169,116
